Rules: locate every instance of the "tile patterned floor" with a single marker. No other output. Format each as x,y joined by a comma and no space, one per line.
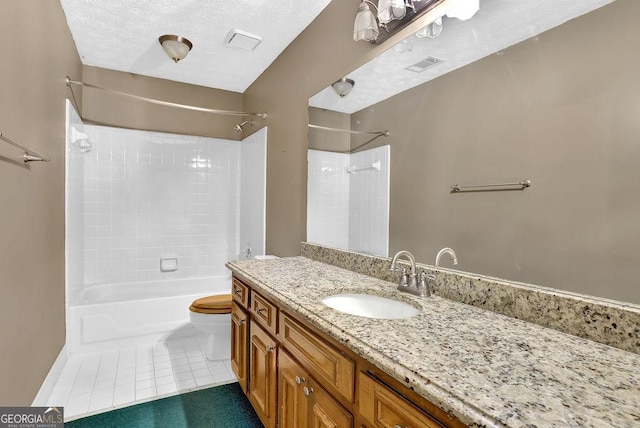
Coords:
101,381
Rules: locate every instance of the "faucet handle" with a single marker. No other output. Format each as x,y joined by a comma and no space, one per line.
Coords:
423,284
427,276
404,278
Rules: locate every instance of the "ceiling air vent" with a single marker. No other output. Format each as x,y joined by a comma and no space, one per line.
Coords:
242,40
421,66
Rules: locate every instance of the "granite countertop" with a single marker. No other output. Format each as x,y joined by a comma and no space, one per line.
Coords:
484,368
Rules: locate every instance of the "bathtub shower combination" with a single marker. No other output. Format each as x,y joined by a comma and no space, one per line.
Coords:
131,312
136,197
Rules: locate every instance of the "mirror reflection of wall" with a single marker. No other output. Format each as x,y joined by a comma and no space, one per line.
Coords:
347,193
348,200
560,109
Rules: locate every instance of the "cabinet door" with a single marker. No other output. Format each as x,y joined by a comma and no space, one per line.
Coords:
383,408
324,411
262,374
292,404
239,325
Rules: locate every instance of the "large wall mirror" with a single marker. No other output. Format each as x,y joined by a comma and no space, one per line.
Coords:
545,91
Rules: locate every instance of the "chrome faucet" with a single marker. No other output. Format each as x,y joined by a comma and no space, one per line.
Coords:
409,282
449,251
411,279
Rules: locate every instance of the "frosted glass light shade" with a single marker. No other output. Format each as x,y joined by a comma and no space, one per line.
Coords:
176,47
365,26
398,9
343,86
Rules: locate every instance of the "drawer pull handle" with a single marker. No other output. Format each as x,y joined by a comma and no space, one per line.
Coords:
307,391
238,292
262,310
242,321
271,348
299,380
398,426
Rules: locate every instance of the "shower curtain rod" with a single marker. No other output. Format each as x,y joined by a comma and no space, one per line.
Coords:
165,103
384,133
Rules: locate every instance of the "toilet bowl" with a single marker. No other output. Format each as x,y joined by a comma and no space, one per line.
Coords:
212,315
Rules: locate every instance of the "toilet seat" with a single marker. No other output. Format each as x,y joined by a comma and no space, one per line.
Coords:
217,304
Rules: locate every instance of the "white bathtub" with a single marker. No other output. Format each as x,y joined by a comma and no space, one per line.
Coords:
136,312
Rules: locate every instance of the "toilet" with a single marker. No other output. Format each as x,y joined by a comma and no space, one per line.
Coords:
212,315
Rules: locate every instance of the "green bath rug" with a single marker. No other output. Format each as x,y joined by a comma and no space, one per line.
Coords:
223,406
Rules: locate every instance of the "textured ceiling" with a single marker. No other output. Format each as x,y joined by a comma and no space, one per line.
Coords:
497,25
123,35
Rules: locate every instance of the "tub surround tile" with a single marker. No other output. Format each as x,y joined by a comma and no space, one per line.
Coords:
605,321
485,368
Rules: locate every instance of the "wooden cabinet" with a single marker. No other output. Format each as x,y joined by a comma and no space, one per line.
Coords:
325,363
381,407
264,312
292,405
262,374
297,377
324,411
239,330
240,293
303,403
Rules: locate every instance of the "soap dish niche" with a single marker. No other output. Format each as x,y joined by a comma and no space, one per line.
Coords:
168,264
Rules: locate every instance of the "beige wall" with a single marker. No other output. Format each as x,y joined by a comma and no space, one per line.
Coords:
38,53
323,53
113,110
561,109
329,140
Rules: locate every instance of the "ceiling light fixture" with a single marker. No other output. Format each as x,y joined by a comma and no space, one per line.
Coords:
176,47
343,86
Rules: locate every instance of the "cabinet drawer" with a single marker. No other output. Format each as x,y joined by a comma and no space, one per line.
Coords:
382,407
332,369
264,312
240,293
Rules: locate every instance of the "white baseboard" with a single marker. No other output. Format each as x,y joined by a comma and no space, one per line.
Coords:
50,381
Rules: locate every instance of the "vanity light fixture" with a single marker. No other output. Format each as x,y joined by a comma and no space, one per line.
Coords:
343,86
176,47
431,30
365,26
391,15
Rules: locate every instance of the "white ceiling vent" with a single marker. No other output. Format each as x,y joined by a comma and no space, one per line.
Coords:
242,40
421,66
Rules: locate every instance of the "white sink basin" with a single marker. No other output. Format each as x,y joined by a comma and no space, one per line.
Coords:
366,305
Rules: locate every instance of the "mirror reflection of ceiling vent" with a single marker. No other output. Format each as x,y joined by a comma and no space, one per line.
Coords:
242,40
421,66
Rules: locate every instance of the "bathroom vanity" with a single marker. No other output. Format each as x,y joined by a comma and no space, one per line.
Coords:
303,364
298,376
